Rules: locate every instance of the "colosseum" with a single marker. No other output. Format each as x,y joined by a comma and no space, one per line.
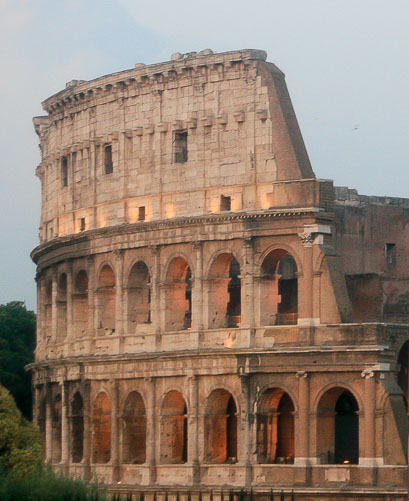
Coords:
212,318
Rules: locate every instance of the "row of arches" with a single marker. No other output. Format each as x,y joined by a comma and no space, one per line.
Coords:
337,428
278,295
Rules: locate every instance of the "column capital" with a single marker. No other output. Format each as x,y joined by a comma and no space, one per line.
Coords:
301,375
248,242
367,374
307,238
155,249
197,245
118,253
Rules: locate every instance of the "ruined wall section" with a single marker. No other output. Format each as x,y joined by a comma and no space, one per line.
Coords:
371,235
233,112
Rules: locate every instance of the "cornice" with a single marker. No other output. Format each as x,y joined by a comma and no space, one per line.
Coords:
148,226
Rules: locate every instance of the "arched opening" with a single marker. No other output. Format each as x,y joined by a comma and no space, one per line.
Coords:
139,296
106,300
101,429
77,428
134,430
48,306
42,423
62,307
403,372
338,428
278,289
56,428
221,425
224,292
80,304
178,294
275,427
173,438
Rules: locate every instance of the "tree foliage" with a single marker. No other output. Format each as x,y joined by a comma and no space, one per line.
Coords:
20,441
17,343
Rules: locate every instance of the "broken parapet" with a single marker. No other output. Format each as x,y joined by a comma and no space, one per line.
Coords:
351,197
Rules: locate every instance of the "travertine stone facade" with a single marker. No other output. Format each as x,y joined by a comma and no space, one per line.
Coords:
209,313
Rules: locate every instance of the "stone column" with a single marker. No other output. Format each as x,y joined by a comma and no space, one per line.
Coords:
246,421
197,290
48,425
193,427
305,282
54,293
247,286
369,449
302,427
119,255
115,431
65,439
92,300
156,313
86,460
69,303
151,429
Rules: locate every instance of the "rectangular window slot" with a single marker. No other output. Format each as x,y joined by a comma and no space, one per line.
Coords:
225,203
180,147
82,224
141,213
390,253
109,166
64,171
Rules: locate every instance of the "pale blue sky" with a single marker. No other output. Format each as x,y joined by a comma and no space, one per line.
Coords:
345,61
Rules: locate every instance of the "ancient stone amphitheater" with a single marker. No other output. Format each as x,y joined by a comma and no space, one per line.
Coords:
210,314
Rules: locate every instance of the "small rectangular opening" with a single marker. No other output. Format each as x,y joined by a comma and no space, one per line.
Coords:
390,253
109,166
180,147
64,171
82,224
225,203
141,213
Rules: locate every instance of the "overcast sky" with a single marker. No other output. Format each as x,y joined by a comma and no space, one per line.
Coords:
346,65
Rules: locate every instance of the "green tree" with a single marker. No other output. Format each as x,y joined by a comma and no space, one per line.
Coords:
20,441
17,343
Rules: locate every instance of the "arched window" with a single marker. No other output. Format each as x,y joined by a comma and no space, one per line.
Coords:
338,428
278,289
80,304
62,307
102,429
178,293
275,427
403,374
56,428
139,296
224,292
221,428
173,438
134,430
106,299
77,428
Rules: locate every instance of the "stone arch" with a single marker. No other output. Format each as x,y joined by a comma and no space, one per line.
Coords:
338,427
224,292
77,428
62,307
278,288
101,443
275,427
174,431
134,429
139,296
80,303
56,416
106,298
178,295
221,427
283,247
